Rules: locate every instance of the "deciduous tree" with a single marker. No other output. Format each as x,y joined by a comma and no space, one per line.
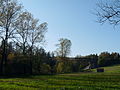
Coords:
9,10
63,47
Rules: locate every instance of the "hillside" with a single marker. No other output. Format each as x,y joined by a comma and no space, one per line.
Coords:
110,69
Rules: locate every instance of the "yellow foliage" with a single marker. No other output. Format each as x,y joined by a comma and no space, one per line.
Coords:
11,56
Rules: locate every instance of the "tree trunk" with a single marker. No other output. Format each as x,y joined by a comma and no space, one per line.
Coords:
31,57
5,51
4,58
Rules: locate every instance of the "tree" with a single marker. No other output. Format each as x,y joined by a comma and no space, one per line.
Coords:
37,33
45,69
30,33
109,10
39,58
60,67
23,25
9,10
104,59
115,58
64,47
36,36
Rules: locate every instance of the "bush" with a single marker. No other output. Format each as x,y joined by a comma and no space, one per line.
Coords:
45,69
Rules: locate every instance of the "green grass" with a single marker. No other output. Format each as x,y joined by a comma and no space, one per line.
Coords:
111,69
74,81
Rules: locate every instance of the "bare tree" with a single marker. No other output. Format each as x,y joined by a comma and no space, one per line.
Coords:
36,36
23,25
108,10
9,10
64,47
37,33
30,33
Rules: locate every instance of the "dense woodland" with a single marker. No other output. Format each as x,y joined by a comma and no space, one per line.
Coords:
21,38
42,62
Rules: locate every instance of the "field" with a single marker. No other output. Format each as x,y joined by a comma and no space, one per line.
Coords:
75,81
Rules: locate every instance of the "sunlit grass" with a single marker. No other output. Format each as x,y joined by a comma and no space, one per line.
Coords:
110,69
73,81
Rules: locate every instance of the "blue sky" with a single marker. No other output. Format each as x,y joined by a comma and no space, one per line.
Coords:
73,19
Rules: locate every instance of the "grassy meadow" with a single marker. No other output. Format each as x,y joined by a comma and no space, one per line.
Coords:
109,80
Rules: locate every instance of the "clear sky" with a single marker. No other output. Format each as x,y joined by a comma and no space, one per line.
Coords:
73,19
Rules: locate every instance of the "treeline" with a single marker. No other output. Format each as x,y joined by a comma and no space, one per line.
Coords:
107,59
39,62
103,59
83,63
42,62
